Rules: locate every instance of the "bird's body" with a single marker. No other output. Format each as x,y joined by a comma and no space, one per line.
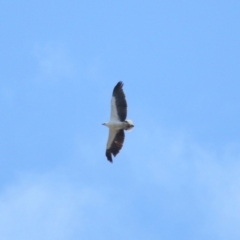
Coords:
117,123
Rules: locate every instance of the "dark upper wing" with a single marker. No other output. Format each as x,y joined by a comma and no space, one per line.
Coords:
116,145
120,101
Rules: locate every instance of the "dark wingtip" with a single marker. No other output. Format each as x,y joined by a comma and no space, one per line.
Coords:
109,155
119,85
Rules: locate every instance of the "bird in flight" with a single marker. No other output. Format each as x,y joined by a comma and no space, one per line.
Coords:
117,123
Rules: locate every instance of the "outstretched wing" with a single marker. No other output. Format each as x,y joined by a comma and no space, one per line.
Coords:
115,143
118,103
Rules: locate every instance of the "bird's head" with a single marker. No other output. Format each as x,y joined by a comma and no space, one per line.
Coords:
129,126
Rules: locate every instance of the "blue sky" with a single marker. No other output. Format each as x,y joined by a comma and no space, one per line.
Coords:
178,174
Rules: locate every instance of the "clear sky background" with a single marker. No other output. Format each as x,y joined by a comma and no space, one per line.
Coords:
178,174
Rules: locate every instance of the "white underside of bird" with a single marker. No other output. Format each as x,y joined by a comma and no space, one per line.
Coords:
114,124
117,122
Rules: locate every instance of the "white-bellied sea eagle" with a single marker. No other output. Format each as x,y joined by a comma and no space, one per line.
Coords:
117,123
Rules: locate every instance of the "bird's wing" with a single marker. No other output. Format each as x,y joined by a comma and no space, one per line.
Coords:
115,143
118,103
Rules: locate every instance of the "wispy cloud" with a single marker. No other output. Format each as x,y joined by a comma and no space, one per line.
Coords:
174,186
7,95
197,184
44,207
53,61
